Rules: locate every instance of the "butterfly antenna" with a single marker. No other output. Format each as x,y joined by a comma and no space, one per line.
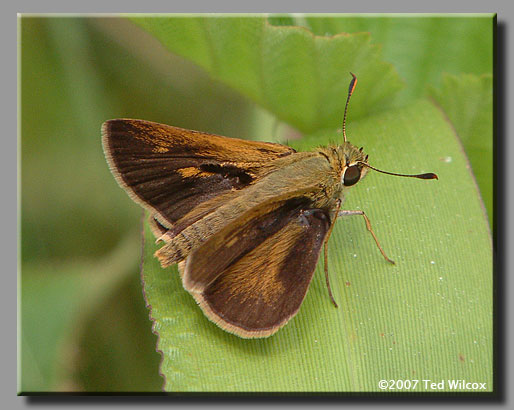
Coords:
353,83
428,175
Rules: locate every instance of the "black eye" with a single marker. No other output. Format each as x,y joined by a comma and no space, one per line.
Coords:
351,175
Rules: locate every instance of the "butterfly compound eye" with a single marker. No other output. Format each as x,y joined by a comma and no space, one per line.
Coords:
351,175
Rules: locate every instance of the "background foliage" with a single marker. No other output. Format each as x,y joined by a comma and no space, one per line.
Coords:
84,324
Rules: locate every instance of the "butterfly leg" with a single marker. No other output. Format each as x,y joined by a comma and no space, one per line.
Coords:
325,252
368,226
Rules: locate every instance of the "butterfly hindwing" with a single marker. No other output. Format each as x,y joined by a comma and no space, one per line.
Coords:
254,295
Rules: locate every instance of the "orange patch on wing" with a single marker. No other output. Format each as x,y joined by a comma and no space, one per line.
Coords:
160,150
192,172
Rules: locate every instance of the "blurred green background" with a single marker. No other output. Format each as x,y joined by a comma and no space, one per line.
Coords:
82,308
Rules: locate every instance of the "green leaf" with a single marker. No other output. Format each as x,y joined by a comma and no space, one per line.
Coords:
424,318
467,100
421,46
301,78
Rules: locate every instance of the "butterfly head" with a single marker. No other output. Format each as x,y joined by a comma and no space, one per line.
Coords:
353,164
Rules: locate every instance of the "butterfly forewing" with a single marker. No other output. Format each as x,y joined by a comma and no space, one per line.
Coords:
170,170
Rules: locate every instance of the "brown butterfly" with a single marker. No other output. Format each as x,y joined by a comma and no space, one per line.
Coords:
244,220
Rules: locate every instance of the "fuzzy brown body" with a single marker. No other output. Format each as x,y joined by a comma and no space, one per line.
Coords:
244,220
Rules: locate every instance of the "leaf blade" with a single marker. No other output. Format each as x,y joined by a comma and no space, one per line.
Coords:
467,101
